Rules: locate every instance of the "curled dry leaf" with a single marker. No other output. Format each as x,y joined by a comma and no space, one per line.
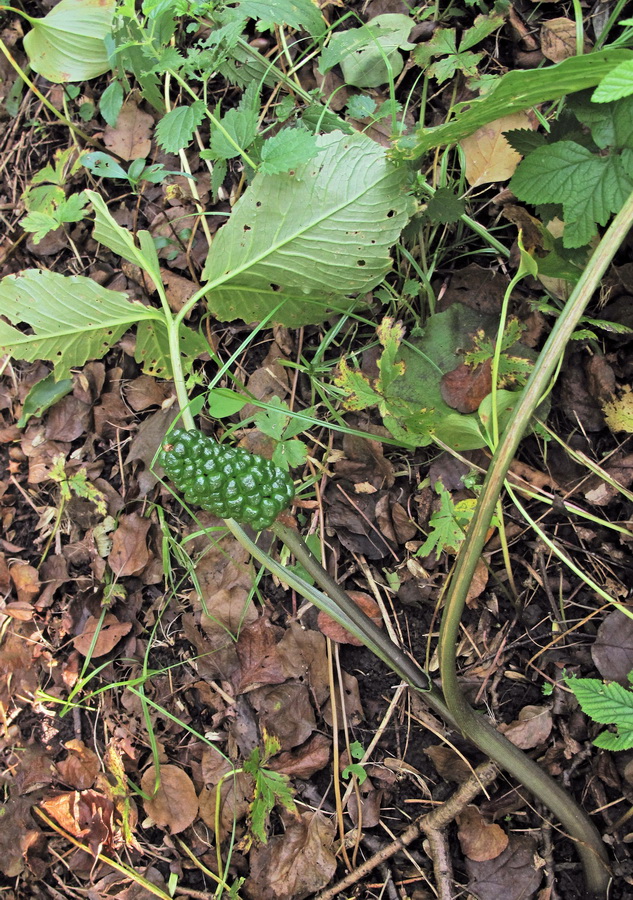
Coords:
341,635
110,634
294,865
533,727
129,554
17,835
80,768
26,581
175,804
479,840
285,711
87,815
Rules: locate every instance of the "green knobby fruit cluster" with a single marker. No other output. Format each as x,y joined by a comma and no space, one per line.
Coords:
228,481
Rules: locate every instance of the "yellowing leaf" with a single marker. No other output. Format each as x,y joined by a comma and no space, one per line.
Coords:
619,413
489,157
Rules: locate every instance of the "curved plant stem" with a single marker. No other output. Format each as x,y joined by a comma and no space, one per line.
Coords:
474,726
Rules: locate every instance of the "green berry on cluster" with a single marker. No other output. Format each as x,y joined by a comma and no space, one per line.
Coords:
228,481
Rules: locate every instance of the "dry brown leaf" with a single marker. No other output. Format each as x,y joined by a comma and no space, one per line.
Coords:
129,554
489,157
285,711
80,768
67,420
130,137
305,760
558,39
293,865
235,796
513,875
465,387
260,662
175,804
533,727
17,835
479,840
109,635
85,814
341,635
26,580
477,583
612,650
448,763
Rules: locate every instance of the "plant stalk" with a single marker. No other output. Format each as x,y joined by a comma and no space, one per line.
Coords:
474,726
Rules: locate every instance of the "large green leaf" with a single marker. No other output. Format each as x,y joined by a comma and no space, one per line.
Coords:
72,318
68,44
516,91
308,239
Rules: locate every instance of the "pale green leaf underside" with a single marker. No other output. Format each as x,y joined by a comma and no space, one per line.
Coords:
73,318
68,43
309,238
618,83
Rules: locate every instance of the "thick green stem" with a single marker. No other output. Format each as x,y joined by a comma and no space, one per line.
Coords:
574,820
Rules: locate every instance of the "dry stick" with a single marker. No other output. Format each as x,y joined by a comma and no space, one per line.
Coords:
429,824
474,726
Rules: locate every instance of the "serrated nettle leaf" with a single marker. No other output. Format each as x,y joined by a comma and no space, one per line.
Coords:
360,106
240,129
287,149
103,165
175,130
68,44
444,207
617,83
299,14
524,140
305,242
590,187
73,318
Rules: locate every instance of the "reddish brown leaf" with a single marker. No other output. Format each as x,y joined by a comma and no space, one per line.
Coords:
293,865
80,768
513,875
306,760
612,650
130,137
336,632
26,580
533,727
129,554
465,387
88,815
109,635
259,659
67,420
479,840
175,804
285,711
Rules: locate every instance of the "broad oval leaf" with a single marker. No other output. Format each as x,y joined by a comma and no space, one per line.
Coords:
298,244
68,44
72,318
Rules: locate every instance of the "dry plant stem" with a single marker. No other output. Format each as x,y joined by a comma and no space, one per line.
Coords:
475,726
429,824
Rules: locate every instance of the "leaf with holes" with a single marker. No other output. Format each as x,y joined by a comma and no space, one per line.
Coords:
298,245
72,319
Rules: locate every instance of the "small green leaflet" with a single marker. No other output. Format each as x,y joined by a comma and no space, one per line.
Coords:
68,210
616,84
68,44
447,524
590,187
300,14
271,788
444,44
608,704
223,402
238,127
287,149
175,130
42,396
110,102
360,106
444,207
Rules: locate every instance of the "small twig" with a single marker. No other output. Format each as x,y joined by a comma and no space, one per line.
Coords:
430,824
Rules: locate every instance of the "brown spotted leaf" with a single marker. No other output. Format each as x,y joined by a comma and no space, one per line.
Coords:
465,387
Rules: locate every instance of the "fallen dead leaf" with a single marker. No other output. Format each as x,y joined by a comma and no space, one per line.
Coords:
109,635
612,650
26,580
293,865
258,655
448,764
341,635
304,761
478,839
477,584
465,387
17,835
489,157
558,39
513,875
285,711
175,804
87,815
129,554
533,727
80,768
130,137
235,796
